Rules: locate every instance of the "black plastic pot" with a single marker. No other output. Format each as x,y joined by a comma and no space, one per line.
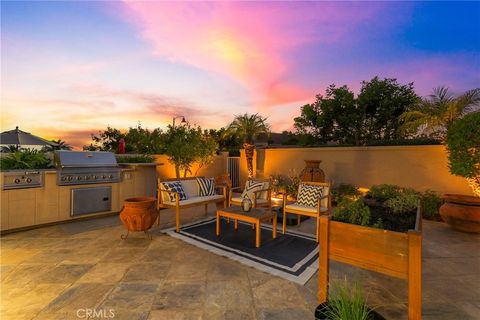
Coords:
323,307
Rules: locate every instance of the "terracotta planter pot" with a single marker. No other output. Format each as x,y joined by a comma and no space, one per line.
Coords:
139,214
461,212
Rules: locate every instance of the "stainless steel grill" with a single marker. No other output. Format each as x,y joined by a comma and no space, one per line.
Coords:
85,167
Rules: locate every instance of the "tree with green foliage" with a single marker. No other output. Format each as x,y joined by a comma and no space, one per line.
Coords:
433,115
59,145
383,102
341,118
463,146
248,127
137,140
186,145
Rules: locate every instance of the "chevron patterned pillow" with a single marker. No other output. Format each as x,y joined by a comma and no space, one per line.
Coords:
206,186
250,187
308,195
175,186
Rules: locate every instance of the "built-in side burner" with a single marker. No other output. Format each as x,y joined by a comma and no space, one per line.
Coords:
22,180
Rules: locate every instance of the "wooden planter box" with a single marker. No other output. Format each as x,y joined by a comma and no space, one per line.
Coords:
396,254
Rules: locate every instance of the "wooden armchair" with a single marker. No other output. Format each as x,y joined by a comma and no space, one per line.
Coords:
323,205
262,197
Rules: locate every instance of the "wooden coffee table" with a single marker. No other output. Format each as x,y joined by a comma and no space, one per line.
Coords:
255,216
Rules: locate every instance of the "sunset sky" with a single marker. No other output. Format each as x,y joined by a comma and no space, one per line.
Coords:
72,68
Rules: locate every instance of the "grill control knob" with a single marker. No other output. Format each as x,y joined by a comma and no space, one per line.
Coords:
104,177
29,180
87,177
64,178
16,181
110,176
79,178
70,178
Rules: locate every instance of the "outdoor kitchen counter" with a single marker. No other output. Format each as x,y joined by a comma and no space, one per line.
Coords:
23,208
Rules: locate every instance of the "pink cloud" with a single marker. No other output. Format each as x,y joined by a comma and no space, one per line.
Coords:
252,43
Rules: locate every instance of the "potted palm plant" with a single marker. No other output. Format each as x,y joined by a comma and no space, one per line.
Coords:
248,128
462,212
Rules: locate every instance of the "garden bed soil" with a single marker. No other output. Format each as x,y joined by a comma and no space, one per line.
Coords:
323,308
399,222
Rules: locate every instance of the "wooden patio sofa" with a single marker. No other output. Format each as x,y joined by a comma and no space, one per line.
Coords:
191,189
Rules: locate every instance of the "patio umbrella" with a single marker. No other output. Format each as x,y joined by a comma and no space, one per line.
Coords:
18,137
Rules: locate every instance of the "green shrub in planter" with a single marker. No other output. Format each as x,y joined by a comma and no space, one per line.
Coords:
406,200
431,202
345,190
25,159
352,211
383,192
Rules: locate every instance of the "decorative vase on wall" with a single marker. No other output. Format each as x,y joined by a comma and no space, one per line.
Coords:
312,172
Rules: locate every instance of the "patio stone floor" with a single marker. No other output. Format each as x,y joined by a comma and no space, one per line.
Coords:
47,273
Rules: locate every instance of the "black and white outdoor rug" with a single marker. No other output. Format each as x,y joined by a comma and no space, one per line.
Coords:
292,256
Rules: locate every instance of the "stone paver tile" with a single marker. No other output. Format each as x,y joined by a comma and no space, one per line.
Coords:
188,295
105,273
16,256
79,296
284,314
16,315
227,270
131,296
187,271
6,270
176,314
135,240
147,272
452,289
51,256
392,311
228,294
33,300
67,273
229,314
26,273
124,255
277,292
85,257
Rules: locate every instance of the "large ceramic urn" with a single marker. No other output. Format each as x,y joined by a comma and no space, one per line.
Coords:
461,212
139,214
312,172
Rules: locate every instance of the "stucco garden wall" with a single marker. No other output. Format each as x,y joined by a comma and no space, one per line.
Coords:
419,167
167,170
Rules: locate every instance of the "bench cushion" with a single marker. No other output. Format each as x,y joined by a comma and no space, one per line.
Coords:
194,200
191,188
296,206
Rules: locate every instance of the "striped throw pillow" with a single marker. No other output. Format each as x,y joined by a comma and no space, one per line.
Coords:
250,187
175,186
206,186
308,195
